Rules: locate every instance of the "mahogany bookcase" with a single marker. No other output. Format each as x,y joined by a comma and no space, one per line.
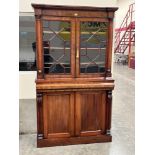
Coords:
74,84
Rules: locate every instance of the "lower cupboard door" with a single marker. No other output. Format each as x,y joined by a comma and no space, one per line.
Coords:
58,115
90,113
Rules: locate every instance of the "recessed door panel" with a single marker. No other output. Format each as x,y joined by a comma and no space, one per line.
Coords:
90,113
58,115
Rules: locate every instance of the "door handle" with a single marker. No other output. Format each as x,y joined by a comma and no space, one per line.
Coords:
77,53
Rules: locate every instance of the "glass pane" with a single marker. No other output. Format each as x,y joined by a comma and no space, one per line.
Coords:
56,43
93,40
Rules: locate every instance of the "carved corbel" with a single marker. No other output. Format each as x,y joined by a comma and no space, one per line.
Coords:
38,14
39,98
110,15
108,114
39,115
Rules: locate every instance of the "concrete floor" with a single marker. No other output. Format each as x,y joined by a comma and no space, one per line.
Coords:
122,123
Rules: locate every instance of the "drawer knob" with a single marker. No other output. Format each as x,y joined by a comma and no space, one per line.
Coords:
75,14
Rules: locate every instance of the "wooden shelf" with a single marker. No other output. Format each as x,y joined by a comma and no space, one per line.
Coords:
57,48
67,48
84,63
50,67
66,32
50,32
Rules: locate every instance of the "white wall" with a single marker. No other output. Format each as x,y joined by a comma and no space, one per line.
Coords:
123,6
25,5
27,79
27,87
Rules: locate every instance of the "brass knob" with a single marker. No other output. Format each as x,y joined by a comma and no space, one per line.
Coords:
39,71
75,14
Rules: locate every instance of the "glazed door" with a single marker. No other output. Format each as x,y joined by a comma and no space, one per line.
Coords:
91,49
58,46
90,113
58,114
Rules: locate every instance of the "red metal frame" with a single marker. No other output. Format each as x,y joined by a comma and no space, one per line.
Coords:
125,35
